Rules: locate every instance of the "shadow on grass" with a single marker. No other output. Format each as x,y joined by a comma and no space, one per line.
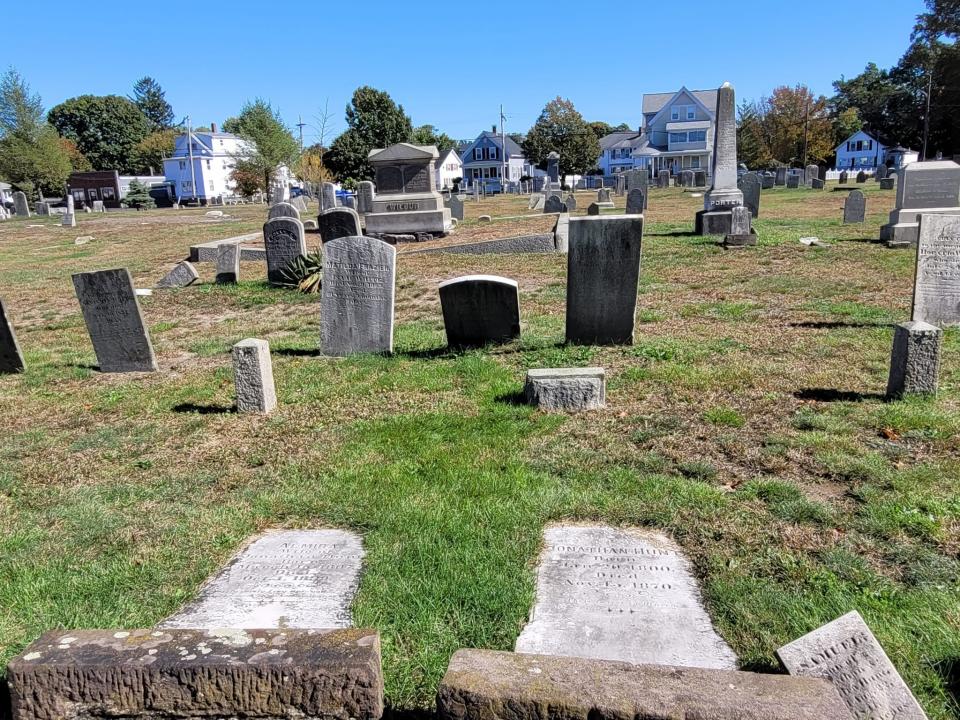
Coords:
949,669
204,409
834,395
393,713
680,233
430,353
871,240
836,324
297,352
515,398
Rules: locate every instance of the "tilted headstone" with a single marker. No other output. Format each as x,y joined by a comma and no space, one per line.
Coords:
328,196
811,172
854,207
228,263
284,579
536,202
284,242
554,204
781,177
20,206
114,321
253,377
455,203
861,177
817,184
41,208
283,209
480,310
844,177
357,296
624,594
936,288
300,203
338,222
365,195
750,187
635,202
183,274
793,181
847,654
570,203
11,358
914,360
603,269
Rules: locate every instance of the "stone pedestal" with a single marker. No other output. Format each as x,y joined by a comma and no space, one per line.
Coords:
566,389
407,201
714,222
253,376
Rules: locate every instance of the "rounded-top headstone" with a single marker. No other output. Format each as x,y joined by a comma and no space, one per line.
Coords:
479,310
283,209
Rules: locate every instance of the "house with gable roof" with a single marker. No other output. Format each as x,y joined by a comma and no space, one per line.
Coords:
487,158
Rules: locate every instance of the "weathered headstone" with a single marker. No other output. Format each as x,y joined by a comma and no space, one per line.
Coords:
888,183
566,389
817,184
723,195
69,218
11,359
603,269
365,195
635,202
861,177
699,178
928,188
283,209
554,204
767,181
284,242
338,222
20,206
844,177
349,201
847,654
480,309
936,289
41,208
536,202
553,169
854,207
570,203
915,359
603,195
750,187
793,181
328,196
183,274
880,173
300,203
114,321
253,377
283,579
455,204
620,594
228,263
357,296
593,209
741,233
663,179
98,206
810,173
781,177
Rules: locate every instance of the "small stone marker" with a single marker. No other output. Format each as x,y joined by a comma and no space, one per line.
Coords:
635,202
455,203
228,263
11,359
750,187
480,309
861,177
663,179
183,274
854,207
844,177
566,389
880,173
620,594
554,204
357,296
283,579
338,222
284,242
593,209
741,233
603,269
888,183
915,359
536,202
98,206
570,203
114,321
283,209
936,288
767,181
817,184
847,654
365,195
793,181
810,173
253,377
21,208
603,195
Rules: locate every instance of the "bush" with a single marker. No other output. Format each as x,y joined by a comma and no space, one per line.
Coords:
138,196
305,273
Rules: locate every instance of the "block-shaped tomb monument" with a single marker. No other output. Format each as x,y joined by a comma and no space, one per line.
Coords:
480,310
936,286
283,579
923,188
406,200
622,594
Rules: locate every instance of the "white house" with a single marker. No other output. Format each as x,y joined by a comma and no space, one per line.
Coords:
616,151
449,167
485,160
214,156
860,151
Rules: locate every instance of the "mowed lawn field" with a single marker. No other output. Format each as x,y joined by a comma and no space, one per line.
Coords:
747,422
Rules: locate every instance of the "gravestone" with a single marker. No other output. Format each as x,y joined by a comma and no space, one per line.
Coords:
914,360
847,654
781,177
767,181
593,209
603,195
750,187
936,288
844,176
114,321
536,202
663,179
888,183
11,358
284,242
338,222
635,202
793,181
817,184
922,188
570,203
723,195
183,274
854,207
41,208
741,233
299,203
20,206
357,296
407,200
98,206
479,310
638,179
861,177
566,389
623,594
603,269
328,196
283,579
699,178
253,377
365,195
69,218
810,173
283,209
349,201
880,173
455,204
554,204
553,169
686,178
228,263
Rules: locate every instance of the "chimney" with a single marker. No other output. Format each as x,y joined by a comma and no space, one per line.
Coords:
213,127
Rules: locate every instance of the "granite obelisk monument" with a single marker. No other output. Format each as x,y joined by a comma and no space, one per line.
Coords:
723,196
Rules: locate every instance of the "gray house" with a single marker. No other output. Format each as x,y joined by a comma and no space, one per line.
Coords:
485,161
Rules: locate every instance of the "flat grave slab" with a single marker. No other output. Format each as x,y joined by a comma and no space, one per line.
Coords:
620,594
283,579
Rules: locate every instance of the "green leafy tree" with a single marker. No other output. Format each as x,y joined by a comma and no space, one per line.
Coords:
790,126
429,135
106,129
374,120
562,129
943,18
152,101
150,152
271,144
138,196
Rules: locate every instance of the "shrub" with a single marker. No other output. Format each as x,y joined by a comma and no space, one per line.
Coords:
138,196
305,273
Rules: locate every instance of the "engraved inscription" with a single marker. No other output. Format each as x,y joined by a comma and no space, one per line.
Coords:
936,293
931,188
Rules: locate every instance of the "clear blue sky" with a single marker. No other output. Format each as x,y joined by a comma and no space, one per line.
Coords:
211,57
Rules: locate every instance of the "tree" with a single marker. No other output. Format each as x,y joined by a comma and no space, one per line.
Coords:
311,169
428,135
138,196
150,152
106,129
271,144
374,120
790,126
78,163
560,128
247,177
151,99
943,18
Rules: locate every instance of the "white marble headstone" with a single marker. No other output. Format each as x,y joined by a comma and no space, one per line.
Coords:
620,594
283,579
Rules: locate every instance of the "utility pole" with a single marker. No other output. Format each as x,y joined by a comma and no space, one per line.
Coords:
300,125
926,115
806,122
503,154
193,170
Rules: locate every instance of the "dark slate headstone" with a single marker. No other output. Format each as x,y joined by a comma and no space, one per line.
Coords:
283,209
880,173
844,177
781,176
11,359
700,178
21,208
936,289
554,205
228,263
114,321
357,296
817,184
593,209
603,269
767,181
888,183
854,207
338,222
635,202
793,180
861,177
283,241
663,179
480,309
750,187
686,178
328,196
455,203
183,274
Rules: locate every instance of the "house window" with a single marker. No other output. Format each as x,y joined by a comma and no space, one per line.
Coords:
493,153
691,112
695,161
477,154
107,193
697,136
183,165
92,193
675,113
678,137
